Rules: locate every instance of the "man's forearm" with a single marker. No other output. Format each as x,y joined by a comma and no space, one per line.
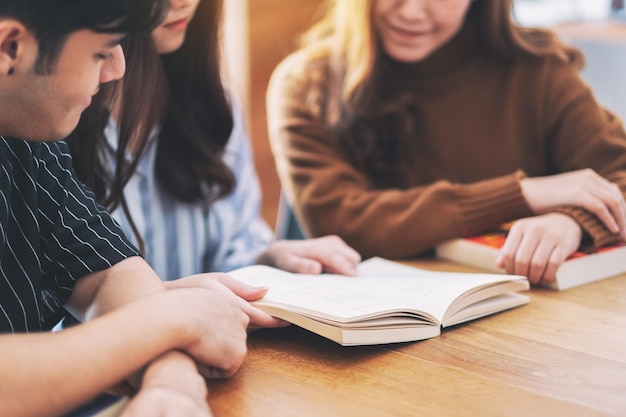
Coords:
178,371
48,374
105,291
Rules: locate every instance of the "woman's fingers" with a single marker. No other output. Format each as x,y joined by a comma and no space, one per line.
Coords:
537,246
583,188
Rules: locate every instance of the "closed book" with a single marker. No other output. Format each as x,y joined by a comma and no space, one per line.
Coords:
586,265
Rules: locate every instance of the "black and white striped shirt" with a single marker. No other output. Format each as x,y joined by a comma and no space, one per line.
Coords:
52,232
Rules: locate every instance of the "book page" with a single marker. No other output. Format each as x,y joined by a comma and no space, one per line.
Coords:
433,291
335,298
381,287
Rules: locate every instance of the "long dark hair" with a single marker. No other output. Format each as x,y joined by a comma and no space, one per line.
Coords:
182,94
142,84
198,120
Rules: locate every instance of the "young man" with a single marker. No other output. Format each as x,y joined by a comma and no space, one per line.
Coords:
59,249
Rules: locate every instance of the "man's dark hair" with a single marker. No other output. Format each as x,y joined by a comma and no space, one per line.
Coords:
52,21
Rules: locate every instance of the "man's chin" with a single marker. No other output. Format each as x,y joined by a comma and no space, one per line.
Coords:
50,137
63,132
42,131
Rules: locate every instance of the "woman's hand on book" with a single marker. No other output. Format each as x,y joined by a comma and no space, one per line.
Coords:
536,246
312,256
583,188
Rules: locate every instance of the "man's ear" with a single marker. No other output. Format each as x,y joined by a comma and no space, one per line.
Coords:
12,43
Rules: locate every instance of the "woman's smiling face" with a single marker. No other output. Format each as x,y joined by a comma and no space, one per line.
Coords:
411,30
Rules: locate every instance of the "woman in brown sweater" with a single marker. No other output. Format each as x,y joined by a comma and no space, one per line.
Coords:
400,124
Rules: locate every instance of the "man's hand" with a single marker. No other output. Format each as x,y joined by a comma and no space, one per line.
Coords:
246,293
208,323
171,387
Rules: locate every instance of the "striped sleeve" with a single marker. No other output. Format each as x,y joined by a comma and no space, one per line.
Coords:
52,233
78,236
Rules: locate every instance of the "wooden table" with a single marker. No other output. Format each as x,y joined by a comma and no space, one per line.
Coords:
564,354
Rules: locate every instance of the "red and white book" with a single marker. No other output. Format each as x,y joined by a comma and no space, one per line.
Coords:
586,265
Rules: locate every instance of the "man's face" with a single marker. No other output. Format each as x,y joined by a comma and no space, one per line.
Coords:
48,107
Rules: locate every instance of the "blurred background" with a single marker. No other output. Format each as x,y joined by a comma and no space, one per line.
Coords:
258,34
551,12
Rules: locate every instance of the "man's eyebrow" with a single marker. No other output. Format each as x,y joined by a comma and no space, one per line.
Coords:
116,41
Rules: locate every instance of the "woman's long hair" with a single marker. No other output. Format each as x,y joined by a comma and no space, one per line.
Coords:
198,121
142,84
182,95
370,119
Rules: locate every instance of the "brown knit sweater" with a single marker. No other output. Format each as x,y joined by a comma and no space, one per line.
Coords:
485,124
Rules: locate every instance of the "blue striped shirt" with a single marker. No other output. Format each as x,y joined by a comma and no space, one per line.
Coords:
52,232
183,239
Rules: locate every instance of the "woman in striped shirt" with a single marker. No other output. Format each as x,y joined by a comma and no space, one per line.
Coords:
188,193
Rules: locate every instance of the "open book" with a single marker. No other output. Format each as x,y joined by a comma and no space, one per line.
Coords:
386,303
586,265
